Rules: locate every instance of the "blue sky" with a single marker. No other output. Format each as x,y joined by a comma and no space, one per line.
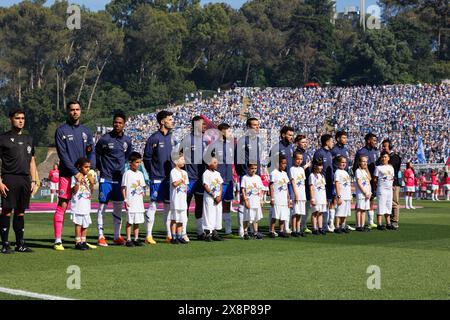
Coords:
100,4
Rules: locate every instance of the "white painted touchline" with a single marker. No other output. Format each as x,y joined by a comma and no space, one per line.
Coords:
31,294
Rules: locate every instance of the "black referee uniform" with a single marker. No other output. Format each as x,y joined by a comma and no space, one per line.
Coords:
16,152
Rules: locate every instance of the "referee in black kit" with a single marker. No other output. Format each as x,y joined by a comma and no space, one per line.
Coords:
16,185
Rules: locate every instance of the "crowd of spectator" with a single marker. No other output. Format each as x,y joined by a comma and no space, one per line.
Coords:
402,113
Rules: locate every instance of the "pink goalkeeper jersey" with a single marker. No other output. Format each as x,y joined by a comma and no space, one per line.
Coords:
423,182
409,177
434,180
54,175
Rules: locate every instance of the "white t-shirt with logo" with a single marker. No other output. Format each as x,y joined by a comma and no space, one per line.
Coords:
135,184
280,181
178,195
213,180
365,182
385,174
318,183
81,201
299,177
253,187
345,183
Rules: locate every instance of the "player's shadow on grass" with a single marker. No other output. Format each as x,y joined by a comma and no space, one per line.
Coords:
40,243
48,243
408,232
157,234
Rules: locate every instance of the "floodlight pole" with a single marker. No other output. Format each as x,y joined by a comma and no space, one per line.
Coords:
362,13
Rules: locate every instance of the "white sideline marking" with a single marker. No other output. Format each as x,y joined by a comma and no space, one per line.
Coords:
31,294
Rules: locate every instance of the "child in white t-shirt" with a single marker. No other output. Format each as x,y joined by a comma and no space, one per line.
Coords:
279,198
343,195
133,190
212,202
80,204
318,194
384,179
178,200
298,182
363,193
252,190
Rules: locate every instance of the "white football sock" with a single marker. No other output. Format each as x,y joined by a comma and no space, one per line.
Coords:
370,217
240,218
167,219
185,221
287,223
51,197
150,217
100,218
331,218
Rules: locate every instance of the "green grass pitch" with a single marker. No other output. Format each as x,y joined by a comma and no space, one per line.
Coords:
414,264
